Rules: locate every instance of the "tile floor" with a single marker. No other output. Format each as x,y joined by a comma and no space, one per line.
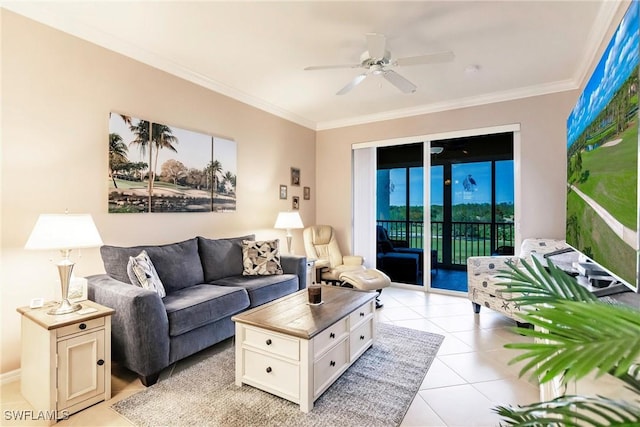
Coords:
469,376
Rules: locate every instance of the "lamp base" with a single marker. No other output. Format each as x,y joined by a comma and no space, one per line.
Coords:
65,307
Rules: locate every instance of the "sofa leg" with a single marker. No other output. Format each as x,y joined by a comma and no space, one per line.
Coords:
149,380
476,307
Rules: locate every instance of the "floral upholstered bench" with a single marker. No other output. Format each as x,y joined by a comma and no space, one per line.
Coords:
482,272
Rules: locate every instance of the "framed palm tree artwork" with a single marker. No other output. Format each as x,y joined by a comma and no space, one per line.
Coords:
154,167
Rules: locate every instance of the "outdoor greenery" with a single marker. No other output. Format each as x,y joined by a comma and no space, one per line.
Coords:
474,212
609,174
576,335
603,164
471,229
605,246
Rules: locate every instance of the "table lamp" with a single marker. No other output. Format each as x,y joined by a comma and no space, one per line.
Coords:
64,232
288,221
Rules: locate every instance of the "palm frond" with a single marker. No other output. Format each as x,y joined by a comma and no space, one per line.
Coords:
575,335
573,411
579,338
537,284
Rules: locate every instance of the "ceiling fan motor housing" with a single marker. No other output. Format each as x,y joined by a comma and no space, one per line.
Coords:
366,61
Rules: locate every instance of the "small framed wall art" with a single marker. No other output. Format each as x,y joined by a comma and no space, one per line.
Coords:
306,194
283,192
295,203
295,176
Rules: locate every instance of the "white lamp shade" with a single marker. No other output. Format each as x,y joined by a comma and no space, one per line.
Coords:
288,220
64,231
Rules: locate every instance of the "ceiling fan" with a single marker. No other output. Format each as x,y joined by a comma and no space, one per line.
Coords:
376,60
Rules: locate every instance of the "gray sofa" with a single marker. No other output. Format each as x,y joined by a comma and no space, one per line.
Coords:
205,287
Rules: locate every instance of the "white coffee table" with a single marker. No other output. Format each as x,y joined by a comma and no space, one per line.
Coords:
295,350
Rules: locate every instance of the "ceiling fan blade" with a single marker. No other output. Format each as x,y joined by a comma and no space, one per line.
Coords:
431,58
377,45
353,83
398,81
329,67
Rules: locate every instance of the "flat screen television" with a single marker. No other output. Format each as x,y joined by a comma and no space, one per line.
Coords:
602,158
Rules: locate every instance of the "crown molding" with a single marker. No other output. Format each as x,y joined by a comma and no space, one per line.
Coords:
609,10
454,104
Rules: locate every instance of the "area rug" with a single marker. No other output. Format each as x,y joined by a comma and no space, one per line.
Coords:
375,391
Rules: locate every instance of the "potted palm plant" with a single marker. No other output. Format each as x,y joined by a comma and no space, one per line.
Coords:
575,334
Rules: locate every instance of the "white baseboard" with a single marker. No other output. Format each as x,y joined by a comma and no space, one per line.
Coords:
9,377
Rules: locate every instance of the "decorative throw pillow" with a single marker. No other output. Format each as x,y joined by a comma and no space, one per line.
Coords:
260,258
142,273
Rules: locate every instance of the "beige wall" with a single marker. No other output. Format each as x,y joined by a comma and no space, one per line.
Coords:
541,172
57,92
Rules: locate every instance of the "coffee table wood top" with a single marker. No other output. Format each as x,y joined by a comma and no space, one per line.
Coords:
292,315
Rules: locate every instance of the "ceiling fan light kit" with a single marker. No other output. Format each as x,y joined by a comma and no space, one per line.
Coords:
376,60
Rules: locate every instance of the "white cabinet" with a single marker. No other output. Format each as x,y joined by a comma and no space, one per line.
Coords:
66,360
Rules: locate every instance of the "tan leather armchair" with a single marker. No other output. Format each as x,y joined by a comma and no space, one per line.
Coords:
320,243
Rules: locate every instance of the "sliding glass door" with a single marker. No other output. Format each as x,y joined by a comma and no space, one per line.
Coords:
472,210
400,213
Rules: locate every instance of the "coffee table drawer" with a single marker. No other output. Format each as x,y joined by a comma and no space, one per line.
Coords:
272,374
329,337
273,343
360,338
330,366
360,314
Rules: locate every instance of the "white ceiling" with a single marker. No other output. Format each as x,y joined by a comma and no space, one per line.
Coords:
255,51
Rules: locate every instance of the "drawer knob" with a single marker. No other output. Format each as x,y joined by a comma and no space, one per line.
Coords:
362,314
361,337
269,369
332,335
269,341
82,326
100,362
332,363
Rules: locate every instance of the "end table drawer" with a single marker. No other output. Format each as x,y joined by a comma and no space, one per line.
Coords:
273,374
360,314
80,327
329,337
272,343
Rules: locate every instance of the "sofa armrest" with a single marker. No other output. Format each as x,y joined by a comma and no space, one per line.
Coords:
491,265
352,260
295,264
139,326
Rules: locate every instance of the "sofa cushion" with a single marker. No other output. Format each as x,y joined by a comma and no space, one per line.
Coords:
262,289
221,257
142,273
198,305
261,258
178,264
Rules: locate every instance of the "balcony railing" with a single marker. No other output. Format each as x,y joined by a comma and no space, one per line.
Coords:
467,238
